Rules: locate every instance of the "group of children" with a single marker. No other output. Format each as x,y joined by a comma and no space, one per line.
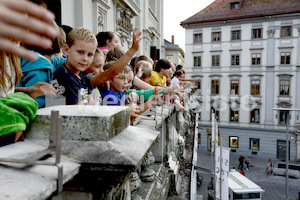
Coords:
93,70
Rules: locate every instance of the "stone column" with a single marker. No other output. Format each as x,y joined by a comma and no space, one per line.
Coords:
298,47
135,185
269,81
298,142
148,174
297,103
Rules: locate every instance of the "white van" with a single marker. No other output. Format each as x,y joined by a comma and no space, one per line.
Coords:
242,188
294,170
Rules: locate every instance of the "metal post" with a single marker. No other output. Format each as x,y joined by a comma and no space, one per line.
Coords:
215,144
221,160
212,157
287,156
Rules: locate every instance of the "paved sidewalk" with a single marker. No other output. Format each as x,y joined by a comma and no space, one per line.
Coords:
274,186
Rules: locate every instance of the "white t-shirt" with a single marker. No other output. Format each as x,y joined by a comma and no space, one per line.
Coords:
174,80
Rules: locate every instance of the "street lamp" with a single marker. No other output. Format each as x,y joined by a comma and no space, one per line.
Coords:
286,117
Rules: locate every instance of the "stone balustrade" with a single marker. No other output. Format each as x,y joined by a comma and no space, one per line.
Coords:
104,157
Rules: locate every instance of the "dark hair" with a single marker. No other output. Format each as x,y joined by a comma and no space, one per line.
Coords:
179,67
132,61
179,73
162,64
67,29
103,36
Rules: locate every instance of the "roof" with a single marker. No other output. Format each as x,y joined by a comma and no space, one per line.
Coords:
220,10
239,183
171,45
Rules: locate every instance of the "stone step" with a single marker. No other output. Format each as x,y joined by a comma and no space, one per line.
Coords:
82,123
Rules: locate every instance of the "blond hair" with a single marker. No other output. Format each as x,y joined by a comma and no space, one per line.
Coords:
145,58
147,68
100,52
81,34
61,37
9,63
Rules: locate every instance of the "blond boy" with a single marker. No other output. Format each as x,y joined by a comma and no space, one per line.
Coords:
80,49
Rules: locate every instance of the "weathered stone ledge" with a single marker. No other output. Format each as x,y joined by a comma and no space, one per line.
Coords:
20,181
83,123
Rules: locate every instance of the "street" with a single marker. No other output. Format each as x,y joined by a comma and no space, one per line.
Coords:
274,186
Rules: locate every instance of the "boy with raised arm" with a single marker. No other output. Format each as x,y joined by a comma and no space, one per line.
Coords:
80,49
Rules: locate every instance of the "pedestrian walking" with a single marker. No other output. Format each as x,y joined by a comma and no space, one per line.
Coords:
269,167
247,161
210,189
241,162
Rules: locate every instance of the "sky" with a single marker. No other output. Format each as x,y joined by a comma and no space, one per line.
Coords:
176,11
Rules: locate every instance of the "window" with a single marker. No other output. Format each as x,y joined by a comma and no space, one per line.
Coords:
216,36
286,31
254,143
217,113
234,115
282,116
256,33
198,83
254,116
236,35
255,87
285,58
284,87
199,138
235,60
215,87
197,61
256,59
234,5
233,141
198,38
215,60
234,87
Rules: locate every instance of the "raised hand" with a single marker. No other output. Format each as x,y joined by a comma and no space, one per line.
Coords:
24,21
137,36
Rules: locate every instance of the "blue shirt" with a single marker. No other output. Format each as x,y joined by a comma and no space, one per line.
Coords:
110,98
74,86
40,70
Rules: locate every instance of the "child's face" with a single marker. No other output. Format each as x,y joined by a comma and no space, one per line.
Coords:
80,55
166,72
181,77
113,42
129,84
118,83
97,65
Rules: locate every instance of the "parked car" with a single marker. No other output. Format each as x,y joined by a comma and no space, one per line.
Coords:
294,169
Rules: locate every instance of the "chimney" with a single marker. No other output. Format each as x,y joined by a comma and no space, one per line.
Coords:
173,39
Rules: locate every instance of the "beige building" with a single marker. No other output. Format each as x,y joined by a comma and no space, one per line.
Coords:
245,56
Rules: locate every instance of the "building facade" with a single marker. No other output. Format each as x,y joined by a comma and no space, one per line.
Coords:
173,52
119,16
245,58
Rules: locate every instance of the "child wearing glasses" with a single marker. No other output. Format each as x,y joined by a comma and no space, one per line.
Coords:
115,95
80,50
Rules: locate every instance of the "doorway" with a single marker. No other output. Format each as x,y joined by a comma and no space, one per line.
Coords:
281,149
